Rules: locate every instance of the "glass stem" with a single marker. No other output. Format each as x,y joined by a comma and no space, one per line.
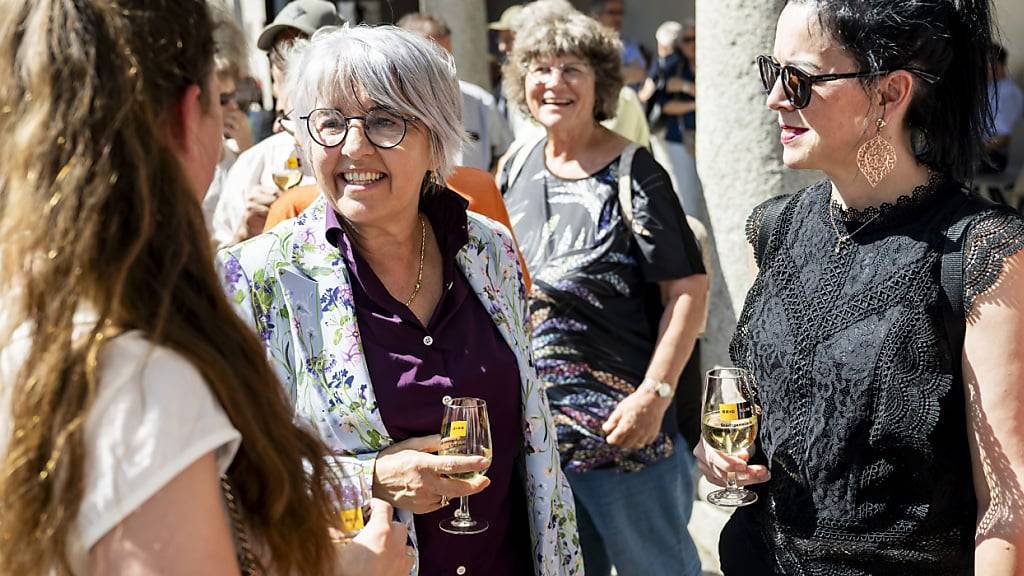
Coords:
730,482
463,511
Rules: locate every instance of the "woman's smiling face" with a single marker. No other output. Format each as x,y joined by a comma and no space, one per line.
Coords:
367,184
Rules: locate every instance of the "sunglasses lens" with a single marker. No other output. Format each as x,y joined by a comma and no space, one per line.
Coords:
796,86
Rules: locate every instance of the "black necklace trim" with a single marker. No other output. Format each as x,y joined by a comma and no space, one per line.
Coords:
888,209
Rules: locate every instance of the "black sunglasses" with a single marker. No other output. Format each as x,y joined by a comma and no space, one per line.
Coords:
796,83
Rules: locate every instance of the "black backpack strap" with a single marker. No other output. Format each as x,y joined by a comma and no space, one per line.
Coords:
769,219
951,275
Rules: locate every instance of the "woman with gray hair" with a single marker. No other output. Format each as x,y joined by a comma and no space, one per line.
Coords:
599,224
385,298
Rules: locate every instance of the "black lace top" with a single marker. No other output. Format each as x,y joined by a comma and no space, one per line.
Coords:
864,420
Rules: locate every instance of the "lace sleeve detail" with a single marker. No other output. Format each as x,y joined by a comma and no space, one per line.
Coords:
994,237
754,222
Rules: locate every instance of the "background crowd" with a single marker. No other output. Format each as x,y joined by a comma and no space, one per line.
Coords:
207,307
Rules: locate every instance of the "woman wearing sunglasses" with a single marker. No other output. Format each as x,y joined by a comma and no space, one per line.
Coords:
891,438
385,296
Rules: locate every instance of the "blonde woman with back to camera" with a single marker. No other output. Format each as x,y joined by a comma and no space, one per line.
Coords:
141,429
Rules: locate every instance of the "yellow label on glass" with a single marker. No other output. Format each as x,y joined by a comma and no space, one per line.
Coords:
352,520
728,412
457,429
292,163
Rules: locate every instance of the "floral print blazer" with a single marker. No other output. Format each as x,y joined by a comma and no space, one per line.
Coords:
292,286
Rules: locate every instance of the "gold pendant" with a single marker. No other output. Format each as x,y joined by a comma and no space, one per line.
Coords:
876,158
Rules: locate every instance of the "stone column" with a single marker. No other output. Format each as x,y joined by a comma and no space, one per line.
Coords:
739,156
467,20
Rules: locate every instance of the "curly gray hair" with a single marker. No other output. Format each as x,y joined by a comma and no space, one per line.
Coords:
565,33
396,69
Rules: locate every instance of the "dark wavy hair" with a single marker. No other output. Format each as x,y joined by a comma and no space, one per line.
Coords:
948,38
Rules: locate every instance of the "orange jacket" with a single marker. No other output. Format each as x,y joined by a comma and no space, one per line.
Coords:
475,185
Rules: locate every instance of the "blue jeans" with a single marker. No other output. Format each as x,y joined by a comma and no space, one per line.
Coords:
637,521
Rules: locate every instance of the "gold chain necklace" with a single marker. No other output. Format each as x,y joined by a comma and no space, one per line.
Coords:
419,273
842,239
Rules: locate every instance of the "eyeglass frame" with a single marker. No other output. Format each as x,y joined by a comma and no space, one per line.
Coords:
405,126
811,79
561,71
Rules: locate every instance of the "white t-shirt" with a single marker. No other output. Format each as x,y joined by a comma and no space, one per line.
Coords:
486,126
228,155
154,416
254,166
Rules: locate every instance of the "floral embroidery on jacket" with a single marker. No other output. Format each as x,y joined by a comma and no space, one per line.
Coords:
292,287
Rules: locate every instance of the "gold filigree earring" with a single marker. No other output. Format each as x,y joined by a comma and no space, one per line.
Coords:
876,158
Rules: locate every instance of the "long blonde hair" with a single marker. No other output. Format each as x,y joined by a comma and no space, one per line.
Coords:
95,208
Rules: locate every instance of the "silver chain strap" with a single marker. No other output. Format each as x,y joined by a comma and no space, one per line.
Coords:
246,558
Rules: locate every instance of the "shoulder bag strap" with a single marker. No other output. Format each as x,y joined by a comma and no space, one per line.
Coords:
518,154
626,190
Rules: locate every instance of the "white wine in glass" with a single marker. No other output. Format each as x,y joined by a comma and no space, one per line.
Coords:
465,431
289,177
729,425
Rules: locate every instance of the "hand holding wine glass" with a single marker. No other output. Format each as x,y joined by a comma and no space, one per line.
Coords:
729,427
465,431
409,475
379,549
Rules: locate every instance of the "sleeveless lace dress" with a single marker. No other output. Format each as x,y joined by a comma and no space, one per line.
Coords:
864,424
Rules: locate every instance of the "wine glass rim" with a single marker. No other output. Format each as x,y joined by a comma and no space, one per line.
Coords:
727,372
467,402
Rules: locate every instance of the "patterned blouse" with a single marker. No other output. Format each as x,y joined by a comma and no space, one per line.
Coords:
593,331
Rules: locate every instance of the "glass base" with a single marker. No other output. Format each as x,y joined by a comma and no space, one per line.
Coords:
730,498
456,525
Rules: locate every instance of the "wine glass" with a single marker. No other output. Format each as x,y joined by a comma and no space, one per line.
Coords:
729,425
353,500
289,177
465,431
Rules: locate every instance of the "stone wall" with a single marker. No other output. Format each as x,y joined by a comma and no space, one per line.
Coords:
739,156
468,22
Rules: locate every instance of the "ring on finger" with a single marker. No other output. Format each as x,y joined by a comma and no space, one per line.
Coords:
444,501
410,552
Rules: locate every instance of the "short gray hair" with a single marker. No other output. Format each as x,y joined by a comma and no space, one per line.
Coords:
560,33
670,33
397,69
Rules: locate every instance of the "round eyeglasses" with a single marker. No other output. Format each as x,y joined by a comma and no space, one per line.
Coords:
796,83
571,73
328,127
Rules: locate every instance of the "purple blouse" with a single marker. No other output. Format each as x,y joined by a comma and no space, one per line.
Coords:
459,353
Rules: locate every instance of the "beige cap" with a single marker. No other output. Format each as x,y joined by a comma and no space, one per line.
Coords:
505,22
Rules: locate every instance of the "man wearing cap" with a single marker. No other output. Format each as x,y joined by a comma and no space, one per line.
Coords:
489,133
505,28
249,188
